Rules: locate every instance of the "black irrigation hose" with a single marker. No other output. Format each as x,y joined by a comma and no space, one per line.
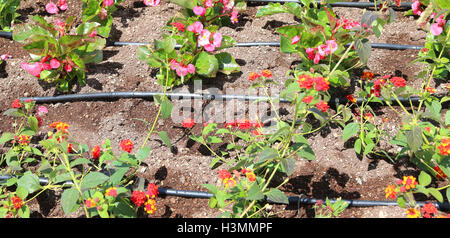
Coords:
179,96
292,200
387,46
275,44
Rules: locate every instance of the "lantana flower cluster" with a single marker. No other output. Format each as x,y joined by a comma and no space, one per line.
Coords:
319,84
146,198
229,180
12,204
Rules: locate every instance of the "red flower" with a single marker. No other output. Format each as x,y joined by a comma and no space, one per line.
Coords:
368,76
138,197
23,140
16,104
307,99
266,73
351,98
305,81
429,210
430,89
439,173
69,148
323,106
111,191
376,90
253,76
398,81
127,145
40,121
322,84
224,174
188,123
444,147
96,152
17,202
152,190
180,26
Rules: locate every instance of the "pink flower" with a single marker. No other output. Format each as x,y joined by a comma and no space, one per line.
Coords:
209,3
152,3
42,110
311,53
68,68
234,16
62,5
204,40
54,63
199,11
295,40
34,69
217,39
191,68
436,29
93,34
196,27
5,57
416,8
331,46
51,8
108,3
181,69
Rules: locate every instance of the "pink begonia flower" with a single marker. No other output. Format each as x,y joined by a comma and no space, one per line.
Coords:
62,4
191,68
93,34
217,39
199,11
152,3
181,70
54,63
68,68
209,3
5,57
51,8
295,40
34,69
416,8
234,16
332,46
228,5
108,3
196,27
42,110
438,27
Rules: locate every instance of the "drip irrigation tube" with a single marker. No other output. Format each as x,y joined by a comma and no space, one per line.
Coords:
386,46
179,96
292,200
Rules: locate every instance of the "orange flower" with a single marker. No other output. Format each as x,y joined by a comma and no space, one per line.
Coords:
96,152
322,106
253,76
90,203
150,206
111,191
413,213
351,98
430,89
305,81
17,202
23,140
266,73
390,192
368,76
229,182
444,147
60,126
409,182
307,99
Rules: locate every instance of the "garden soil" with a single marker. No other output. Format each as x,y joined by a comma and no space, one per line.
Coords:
336,172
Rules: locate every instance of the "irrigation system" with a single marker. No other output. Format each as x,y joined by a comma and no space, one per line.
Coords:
292,200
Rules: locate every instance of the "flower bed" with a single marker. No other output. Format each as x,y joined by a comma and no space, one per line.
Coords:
336,171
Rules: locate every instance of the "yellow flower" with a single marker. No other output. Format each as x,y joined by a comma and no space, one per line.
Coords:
413,213
390,192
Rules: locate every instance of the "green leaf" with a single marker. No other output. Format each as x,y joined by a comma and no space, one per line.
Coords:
124,210
350,130
165,138
424,179
414,137
255,193
363,47
118,174
271,9
357,146
189,4
69,199
166,108
213,139
288,165
277,196
267,154
447,118
30,182
143,153
447,193
6,137
227,64
93,179
79,161
209,128
206,65
436,194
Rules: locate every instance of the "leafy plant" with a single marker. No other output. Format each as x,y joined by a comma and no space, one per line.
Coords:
100,11
326,43
8,14
329,209
58,55
193,37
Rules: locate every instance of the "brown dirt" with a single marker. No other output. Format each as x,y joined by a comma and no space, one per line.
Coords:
337,171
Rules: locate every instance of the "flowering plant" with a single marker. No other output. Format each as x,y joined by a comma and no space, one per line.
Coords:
8,13
321,38
403,189
59,56
100,11
329,209
192,39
